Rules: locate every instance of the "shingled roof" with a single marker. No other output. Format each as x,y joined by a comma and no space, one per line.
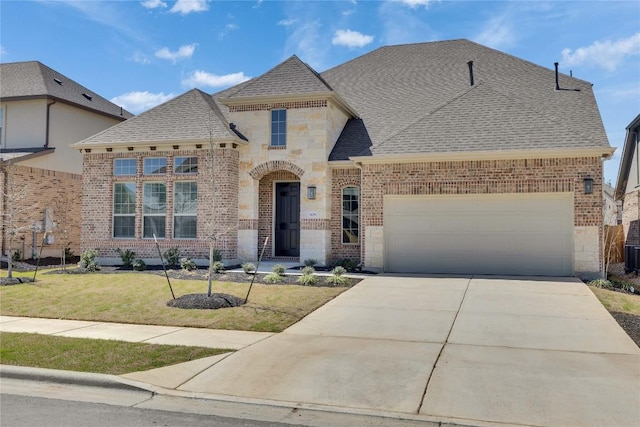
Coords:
192,116
415,99
32,80
291,77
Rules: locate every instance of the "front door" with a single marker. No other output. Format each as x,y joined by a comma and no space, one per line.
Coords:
287,219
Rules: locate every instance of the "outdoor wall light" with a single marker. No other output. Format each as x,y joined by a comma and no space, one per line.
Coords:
588,185
311,192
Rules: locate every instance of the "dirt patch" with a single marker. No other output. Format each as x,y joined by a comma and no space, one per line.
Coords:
204,302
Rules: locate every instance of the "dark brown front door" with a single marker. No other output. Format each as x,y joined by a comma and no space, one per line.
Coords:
287,220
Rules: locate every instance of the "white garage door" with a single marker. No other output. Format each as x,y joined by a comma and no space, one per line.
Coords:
520,234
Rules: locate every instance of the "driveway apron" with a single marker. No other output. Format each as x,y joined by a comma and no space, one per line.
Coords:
526,351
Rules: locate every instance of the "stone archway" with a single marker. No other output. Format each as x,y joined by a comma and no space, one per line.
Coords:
273,166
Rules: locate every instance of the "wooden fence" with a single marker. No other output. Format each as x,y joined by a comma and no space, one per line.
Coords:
614,243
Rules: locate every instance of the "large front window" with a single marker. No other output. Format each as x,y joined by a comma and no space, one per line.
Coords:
154,209
124,210
278,128
185,205
350,215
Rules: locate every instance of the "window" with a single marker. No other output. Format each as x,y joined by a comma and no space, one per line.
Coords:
154,209
124,210
278,128
124,167
185,205
350,215
155,166
185,165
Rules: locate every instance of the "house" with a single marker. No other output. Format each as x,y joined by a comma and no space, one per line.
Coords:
628,185
42,112
612,208
441,157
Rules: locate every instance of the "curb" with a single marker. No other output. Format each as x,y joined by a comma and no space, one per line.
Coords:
85,379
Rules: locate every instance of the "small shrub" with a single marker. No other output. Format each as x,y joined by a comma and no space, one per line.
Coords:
337,280
249,267
172,256
139,265
187,264
17,256
218,267
308,270
308,279
217,256
278,269
68,253
601,283
127,256
88,260
272,278
338,271
347,264
310,262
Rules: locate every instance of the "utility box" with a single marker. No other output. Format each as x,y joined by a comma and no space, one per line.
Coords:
631,258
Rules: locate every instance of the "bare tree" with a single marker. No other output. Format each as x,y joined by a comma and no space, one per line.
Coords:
63,214
19,212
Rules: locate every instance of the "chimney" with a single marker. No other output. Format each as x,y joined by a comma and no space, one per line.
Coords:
470,64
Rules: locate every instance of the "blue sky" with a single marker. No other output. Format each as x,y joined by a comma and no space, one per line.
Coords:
141,53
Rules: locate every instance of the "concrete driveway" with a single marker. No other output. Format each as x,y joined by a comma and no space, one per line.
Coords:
527,351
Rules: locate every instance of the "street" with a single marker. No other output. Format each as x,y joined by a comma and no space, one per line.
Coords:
23,411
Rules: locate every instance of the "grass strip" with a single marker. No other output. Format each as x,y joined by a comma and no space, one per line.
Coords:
619,302
88,355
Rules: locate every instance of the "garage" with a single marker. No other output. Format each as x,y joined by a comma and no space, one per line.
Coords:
515,234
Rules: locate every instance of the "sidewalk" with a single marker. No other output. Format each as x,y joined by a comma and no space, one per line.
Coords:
171,335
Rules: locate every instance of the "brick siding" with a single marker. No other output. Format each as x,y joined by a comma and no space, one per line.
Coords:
484,177
97,206
45,189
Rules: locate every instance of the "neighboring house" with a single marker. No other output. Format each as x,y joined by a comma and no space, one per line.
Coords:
42,112
612,208
409,159
628,185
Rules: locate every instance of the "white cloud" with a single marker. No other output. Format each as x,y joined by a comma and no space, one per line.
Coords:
187,6
287,22
350,39
201,78
417,3
401,25
607,54
227,29
139,58
152,4
3,51
137,102
184,52
497,33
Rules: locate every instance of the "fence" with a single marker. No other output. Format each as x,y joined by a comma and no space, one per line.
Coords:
614,243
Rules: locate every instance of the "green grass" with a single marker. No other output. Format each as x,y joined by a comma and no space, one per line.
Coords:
620,302
87,355
141,298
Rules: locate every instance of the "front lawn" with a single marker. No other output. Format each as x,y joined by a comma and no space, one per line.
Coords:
142,299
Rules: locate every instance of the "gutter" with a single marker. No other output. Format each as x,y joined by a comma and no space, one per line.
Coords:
47,131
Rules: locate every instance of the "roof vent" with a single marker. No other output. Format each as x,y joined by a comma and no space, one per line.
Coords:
89,97
57,81
470,64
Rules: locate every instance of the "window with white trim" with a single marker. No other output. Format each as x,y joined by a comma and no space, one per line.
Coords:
123,167
350,215
124,210
185,206
278,128
154,209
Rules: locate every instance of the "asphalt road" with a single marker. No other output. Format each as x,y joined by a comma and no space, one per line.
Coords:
28,411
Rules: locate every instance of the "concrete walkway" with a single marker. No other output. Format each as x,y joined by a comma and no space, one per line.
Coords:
469,351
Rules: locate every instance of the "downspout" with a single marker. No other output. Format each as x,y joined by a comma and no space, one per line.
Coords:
46,140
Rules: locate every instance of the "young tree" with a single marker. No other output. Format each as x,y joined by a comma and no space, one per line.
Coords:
63,206
19,212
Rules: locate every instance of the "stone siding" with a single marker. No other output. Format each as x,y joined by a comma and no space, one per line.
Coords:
631,218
